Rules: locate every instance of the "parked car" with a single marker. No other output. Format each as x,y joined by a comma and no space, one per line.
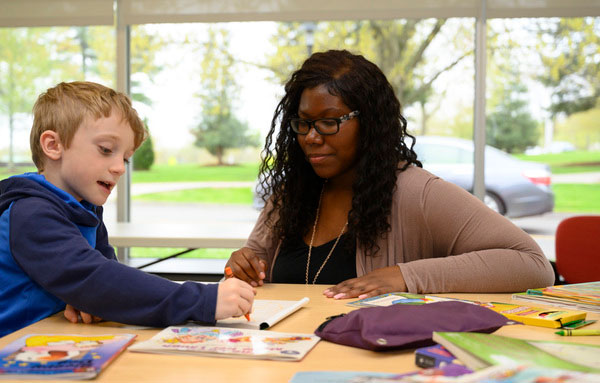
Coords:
513,188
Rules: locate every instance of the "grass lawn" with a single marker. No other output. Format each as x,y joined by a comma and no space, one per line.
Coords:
568,197
242,196
4,173
567,162
161,252
195,172
577,198
176,173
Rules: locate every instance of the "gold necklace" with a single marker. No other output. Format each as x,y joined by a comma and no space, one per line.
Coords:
310,246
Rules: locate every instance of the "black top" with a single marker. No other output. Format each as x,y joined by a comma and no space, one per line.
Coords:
290,264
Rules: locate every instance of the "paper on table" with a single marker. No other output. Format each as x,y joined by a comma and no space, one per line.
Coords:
265,313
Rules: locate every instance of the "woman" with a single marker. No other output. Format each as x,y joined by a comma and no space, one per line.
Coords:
348,203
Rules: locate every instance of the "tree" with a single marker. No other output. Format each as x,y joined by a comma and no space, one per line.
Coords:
24,62
460,125
219,127
33,59
96,48
143,159
401,48
569,49
581,128
509,123
144,47
510,126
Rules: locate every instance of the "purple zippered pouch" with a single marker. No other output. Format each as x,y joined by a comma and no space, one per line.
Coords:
407,326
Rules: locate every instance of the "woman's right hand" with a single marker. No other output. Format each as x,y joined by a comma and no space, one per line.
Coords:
247,266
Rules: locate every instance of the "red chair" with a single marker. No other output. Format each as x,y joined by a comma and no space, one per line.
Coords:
578,249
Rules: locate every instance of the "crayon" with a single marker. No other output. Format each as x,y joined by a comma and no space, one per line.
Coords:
229,274
578,332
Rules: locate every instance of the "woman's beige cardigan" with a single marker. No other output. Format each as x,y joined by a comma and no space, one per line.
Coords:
444,240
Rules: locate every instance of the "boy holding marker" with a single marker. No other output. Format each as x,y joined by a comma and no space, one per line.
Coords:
54,250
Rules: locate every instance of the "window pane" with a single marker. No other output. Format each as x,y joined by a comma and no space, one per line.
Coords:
206,83
542,107
31,61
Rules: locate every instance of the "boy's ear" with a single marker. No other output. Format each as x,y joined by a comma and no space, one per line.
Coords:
51,145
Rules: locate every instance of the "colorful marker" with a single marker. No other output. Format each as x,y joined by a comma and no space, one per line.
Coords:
229,274
578,332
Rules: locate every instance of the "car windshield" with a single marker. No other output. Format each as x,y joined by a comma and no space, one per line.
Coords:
456,153
443,154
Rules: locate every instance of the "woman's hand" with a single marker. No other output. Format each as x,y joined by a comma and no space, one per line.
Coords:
385,280
247,266
73,315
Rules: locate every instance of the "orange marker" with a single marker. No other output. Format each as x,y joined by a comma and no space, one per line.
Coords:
229,274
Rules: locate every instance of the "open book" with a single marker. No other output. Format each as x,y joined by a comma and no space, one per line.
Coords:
265,313
60,356
478,351
229,342
396,298
494,374
430,375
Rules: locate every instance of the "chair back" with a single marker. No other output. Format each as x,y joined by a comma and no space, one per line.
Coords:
578,249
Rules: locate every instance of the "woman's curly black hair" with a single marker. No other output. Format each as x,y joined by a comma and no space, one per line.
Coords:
288,178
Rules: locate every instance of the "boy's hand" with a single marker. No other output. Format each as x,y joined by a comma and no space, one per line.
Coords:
247,266
73,315
234,298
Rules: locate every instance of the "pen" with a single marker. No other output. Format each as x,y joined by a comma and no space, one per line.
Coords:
578,332
229,274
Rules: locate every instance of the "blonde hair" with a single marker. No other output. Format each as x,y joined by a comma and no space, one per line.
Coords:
64,107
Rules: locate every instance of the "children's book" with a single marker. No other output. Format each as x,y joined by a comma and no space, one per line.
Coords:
434,356
265,313
527,374
478,351
430,375
537,316
49,356
229,342
556,302
579,296
397,298
494,374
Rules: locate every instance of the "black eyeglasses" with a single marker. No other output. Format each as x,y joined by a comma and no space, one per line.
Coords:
323,126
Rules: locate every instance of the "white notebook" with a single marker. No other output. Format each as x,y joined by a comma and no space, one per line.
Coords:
265,313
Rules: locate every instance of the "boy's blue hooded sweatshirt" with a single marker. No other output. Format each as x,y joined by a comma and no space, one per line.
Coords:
54,250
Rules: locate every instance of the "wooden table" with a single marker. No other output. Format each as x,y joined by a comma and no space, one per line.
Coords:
217,235
139,367
155,234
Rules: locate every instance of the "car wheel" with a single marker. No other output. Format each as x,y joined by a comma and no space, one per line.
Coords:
493,202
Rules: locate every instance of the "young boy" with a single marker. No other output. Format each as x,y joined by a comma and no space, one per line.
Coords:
54,246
